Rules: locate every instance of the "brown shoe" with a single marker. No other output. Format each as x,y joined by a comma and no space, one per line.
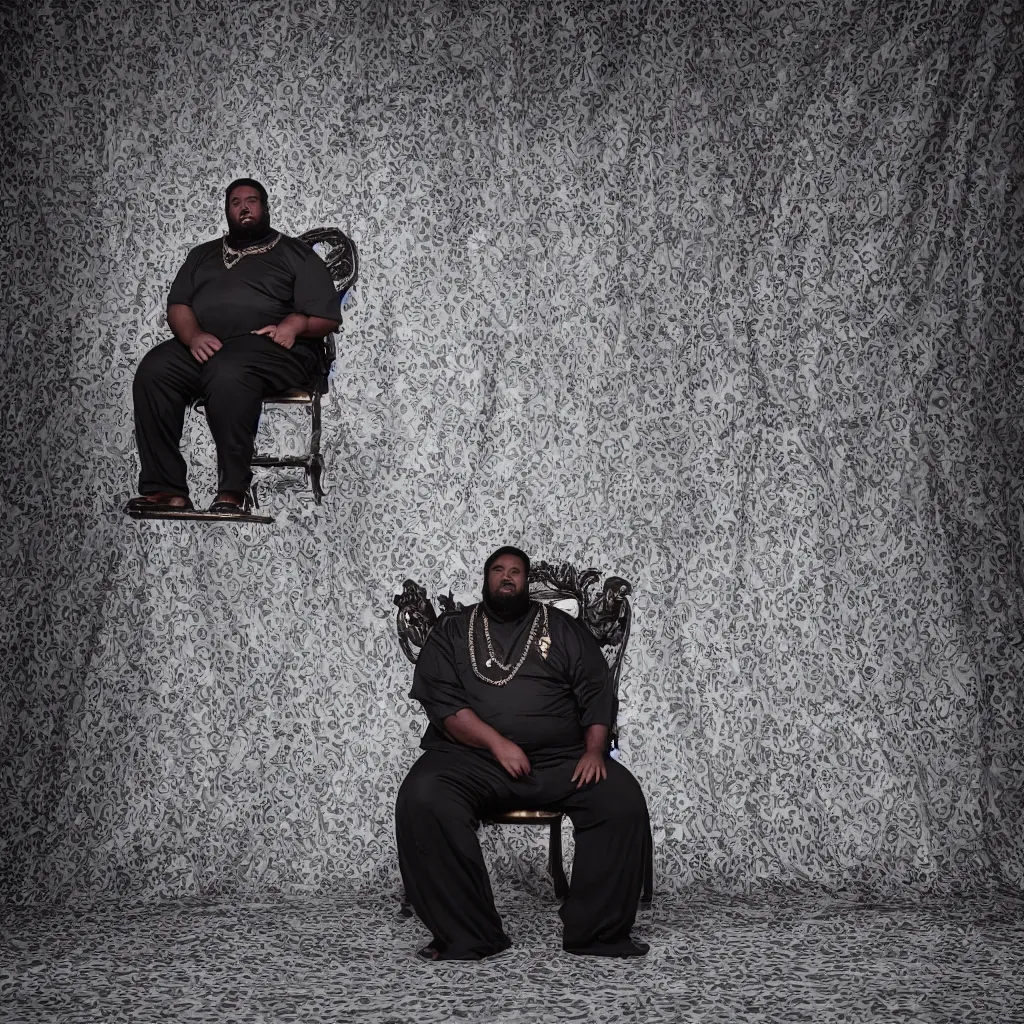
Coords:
160,501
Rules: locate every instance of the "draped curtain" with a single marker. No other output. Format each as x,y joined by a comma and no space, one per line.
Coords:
723,298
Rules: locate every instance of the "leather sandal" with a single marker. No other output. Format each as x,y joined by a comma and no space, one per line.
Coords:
230,508
159,501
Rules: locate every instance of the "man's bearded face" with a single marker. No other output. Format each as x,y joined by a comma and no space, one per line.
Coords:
248,218
506,587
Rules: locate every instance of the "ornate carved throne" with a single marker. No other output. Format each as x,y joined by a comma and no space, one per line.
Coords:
606,612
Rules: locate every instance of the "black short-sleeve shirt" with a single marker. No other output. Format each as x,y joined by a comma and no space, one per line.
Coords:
545,708
257,291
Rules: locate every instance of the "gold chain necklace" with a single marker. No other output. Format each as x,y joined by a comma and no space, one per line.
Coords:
232,256
512,672
493,659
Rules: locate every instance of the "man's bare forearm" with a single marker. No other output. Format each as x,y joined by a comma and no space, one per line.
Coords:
467,727
308,326
596,739
182,321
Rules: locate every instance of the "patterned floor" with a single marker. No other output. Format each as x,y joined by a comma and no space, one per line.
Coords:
775,959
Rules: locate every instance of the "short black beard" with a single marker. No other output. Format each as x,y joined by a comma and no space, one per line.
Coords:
240,234
507,607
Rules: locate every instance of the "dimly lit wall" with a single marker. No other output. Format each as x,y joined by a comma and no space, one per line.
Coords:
724,298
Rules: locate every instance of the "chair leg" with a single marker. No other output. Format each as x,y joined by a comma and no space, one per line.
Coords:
316,460
555,860
316,467
648,891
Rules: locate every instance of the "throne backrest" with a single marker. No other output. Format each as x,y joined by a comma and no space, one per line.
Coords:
340,254
605,611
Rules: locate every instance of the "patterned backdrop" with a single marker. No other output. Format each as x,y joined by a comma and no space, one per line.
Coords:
725,298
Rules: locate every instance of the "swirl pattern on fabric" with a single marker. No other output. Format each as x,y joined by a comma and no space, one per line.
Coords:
722,298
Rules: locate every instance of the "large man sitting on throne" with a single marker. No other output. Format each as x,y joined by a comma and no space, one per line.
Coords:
520,703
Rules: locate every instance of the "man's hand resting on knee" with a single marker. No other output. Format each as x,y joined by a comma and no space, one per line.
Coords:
283,333
185,326
467,727
297,325
203,346
591,767
511,758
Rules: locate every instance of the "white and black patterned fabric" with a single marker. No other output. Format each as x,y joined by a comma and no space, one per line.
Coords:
723,297
713,960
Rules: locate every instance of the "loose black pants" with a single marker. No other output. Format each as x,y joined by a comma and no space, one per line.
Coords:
232,383
438,810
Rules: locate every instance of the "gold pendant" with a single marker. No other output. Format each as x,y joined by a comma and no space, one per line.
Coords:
544,644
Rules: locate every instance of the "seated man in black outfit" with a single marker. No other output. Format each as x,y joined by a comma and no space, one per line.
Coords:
246,311
520,702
